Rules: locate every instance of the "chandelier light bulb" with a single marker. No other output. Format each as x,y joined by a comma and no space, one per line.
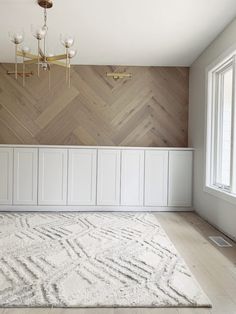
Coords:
25,49
67,41
72,53
17,38
39,32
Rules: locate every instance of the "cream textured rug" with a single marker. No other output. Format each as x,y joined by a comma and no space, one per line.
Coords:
92,260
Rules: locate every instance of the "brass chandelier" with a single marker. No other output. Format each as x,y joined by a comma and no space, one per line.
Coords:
42,58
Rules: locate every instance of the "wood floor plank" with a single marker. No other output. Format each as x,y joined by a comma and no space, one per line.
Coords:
194,311
223,304
213,267
26,311
145,311
82,311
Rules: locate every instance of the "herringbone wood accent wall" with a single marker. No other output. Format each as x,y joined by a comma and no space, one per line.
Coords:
151,109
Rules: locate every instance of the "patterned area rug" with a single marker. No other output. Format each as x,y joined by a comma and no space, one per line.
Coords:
92,260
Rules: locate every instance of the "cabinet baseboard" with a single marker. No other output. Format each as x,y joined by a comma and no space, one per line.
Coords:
30,208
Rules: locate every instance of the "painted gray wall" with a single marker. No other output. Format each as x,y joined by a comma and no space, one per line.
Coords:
217,211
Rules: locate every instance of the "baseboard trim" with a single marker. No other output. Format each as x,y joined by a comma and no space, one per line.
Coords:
31,208
230,236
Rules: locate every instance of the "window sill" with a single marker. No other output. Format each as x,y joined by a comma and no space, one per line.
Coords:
231,198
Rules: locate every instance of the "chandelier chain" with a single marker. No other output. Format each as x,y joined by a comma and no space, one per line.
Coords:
45,17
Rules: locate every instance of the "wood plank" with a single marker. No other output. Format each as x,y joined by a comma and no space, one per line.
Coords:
26,311
145,311
214,268
82,311
194,311
57,106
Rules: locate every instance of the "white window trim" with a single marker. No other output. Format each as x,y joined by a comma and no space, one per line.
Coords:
208,187
220,194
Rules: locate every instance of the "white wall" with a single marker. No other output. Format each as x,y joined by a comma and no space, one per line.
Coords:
218,212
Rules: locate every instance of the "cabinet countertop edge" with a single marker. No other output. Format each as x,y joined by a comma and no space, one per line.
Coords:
94,147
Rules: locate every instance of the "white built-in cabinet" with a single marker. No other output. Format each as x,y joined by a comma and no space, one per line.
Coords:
94,178
6,173
180,178
132,177
25,176
156,178
52,176
108,184
82,172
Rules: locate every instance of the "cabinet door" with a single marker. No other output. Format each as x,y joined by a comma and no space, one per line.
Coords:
180,178
6,173
156,175
25,176
132,177
52,176
82,177
108,188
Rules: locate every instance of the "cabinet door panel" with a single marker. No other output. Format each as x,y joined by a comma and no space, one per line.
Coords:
52,176
82,177
156,178
132,177
25,176
180,178
6,173
108,189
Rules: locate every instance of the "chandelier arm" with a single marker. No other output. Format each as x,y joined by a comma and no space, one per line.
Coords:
41,53
46,27
16,65
67,64
58,63
31,61
58,57
38,57
23,67
69,73
49,79
26,55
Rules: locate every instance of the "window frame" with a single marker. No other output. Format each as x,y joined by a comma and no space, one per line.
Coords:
213,104
218,117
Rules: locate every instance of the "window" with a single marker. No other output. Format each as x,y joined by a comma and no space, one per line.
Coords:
221,139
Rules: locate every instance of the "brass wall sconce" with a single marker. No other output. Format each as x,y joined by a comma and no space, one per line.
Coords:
119,75
21,74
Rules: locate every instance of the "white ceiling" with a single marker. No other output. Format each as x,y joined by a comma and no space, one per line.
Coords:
121,32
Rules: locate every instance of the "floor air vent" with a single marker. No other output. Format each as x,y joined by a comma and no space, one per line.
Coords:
220,241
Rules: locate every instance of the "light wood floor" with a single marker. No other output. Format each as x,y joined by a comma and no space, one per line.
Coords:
214,268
